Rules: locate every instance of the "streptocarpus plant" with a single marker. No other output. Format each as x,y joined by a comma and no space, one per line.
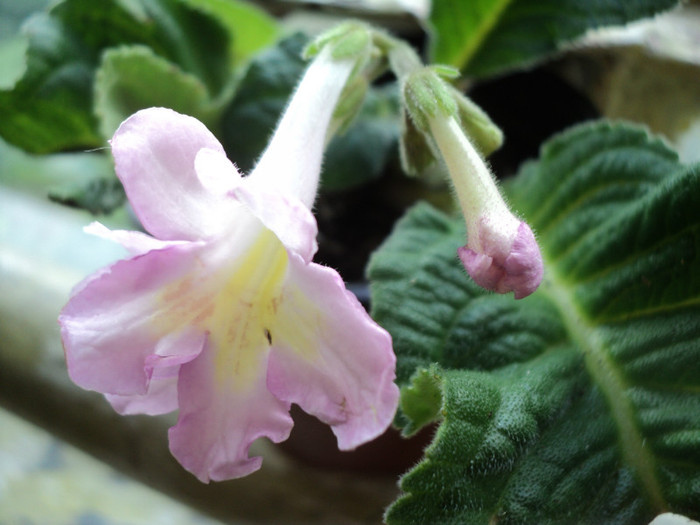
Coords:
579,403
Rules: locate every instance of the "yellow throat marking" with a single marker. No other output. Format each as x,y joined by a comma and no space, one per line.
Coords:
236,305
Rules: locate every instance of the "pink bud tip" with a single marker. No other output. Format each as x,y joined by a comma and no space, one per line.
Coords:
515,268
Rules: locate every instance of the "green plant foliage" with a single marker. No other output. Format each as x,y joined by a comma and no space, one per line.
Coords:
98,196
51,107
357,155
133,77
485,37
252,28
421,401
580,403
370,141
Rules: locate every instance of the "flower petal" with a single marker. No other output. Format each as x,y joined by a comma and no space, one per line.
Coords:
154,152
286,216
160,398
524,263
110,326
137,243
222,413
330,357
216,172
162,368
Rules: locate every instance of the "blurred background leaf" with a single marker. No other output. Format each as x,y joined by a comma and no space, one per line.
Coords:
488,37
251,28
51,107
130,78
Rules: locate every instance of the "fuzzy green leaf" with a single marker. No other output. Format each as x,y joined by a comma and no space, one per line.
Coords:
485,37
421,400
580,403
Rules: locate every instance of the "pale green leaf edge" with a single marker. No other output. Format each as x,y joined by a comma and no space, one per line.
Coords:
120,90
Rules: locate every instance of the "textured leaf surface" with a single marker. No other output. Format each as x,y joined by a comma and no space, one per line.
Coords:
581,403
51,106
484,37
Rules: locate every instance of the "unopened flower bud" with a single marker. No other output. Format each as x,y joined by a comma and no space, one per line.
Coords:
501,252
508,260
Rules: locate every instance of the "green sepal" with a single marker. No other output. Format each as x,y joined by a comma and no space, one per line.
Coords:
424,95
427,96
364,148
416,152
445,71
354,43
486,136
350,102
350,39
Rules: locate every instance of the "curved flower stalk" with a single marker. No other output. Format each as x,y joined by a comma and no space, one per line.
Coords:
220,313
501,253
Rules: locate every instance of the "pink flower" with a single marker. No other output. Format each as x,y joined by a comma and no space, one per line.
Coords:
220,313
501,254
